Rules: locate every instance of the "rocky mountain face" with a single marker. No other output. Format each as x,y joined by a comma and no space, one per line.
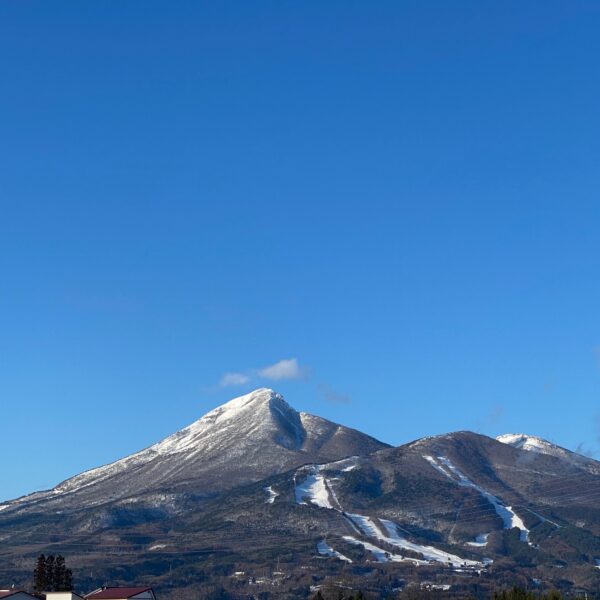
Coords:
244,440
256,497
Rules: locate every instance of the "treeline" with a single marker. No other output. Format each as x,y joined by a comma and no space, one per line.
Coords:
52,575
516,593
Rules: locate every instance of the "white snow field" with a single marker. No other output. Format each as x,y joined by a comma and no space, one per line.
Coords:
316,489
325,549
509,518
272,495
532,443
380,554
429,552
366,525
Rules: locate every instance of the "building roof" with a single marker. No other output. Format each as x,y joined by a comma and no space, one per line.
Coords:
116,593
7,593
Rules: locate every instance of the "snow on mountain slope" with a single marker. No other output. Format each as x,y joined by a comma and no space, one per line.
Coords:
312,487
245,440
532,443
506,513
430,553
325,549
272,494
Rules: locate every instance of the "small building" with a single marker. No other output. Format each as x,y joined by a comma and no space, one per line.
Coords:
15,595
62,596
116,593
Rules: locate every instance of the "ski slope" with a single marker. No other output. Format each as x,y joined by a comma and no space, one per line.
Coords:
324,549
509,518
316,489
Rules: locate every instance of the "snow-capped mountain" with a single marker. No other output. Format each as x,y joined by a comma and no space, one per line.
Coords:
246,439
533,443
255,483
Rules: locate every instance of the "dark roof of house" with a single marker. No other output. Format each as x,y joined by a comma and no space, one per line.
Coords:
115,593
7,593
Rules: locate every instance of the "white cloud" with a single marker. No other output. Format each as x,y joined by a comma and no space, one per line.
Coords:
230,379
284,369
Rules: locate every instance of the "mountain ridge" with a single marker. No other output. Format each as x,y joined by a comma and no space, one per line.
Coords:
254,481
249,427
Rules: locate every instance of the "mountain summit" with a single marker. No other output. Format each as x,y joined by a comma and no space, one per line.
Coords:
245,440
255,483
532,443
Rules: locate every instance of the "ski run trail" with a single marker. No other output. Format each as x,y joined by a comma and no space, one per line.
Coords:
509,518
272,495
314,488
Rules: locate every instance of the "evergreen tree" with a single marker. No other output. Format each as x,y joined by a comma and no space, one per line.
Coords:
50,573
63,577
39,575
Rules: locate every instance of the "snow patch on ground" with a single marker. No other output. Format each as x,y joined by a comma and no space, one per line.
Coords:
506,513
480,541
272,495
314,489
380,554
325,549
157,547
429,552
366,525
392,536
4,506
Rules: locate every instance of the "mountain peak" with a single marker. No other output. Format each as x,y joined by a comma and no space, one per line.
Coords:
524,441
532,443
244,440
260,396
254,399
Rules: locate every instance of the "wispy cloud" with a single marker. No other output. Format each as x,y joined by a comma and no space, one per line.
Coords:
231,379
288,368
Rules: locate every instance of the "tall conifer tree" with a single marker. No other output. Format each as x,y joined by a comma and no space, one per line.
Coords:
39,575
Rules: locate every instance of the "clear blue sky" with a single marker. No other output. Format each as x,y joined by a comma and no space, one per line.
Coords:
402,196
